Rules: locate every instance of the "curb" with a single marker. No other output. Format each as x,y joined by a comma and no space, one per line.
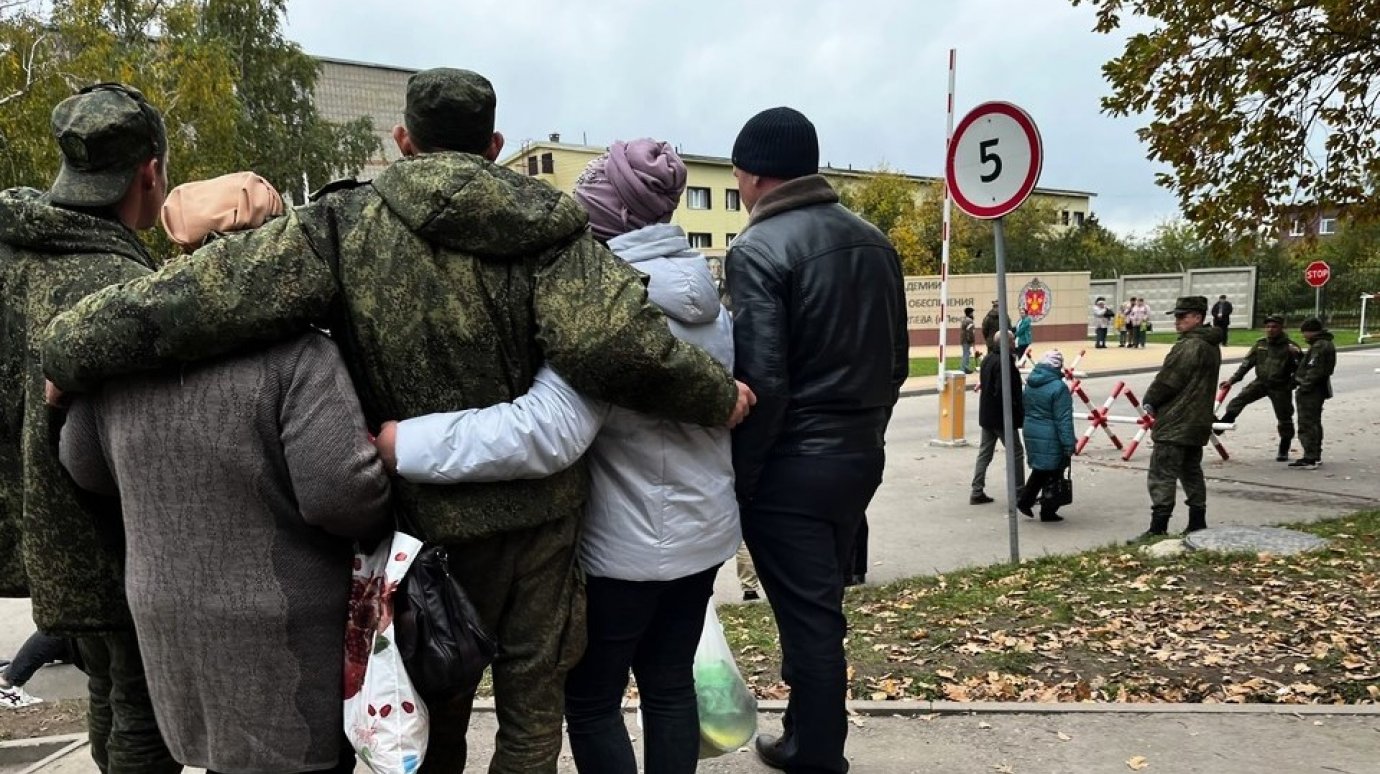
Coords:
38,752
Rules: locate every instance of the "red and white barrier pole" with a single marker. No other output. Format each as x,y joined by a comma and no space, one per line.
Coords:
1146,422
1097,417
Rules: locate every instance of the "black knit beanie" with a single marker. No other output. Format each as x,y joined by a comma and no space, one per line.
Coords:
780,143
1311,324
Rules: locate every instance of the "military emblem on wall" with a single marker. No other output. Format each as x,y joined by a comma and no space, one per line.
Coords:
1036,299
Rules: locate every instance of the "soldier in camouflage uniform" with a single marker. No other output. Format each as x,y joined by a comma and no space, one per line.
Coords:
56,248
448,281
1274,357
1180,400
1314,380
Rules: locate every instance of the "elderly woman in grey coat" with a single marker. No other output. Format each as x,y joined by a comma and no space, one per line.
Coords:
242,482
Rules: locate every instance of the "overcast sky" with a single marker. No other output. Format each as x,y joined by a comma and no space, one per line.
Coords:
870,74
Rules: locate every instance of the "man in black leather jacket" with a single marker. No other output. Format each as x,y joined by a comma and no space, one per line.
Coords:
820,336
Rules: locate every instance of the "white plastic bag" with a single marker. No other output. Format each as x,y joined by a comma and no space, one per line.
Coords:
728,710
385,721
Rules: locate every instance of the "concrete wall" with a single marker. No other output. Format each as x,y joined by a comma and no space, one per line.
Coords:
1160,291
1056,298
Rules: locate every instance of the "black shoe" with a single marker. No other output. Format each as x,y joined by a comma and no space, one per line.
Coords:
750,595
980,498
1051,517
1024,510
768,747
1305,464
1282,457
1191,530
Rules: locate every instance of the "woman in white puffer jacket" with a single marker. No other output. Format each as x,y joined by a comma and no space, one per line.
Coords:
662,516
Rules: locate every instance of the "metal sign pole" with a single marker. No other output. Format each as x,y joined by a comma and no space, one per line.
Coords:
1317,302
1008,429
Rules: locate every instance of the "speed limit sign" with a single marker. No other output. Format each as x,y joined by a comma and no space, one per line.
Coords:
994,160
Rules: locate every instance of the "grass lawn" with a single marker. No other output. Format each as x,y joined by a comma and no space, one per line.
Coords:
1114,625
926,366
1236,337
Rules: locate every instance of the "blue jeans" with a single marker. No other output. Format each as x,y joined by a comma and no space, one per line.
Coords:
652,628
36,651
967,356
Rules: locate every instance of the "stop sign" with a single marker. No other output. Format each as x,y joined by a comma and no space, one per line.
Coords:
1317,274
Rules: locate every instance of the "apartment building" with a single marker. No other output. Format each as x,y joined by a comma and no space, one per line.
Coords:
711,212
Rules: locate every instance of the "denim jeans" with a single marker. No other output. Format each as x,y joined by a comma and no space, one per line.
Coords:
967,357
652,628
800,527
36,651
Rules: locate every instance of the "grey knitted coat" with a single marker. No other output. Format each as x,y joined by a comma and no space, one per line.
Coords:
241,482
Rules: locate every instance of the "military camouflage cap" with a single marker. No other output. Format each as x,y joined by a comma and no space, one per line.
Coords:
450,109
104,133
1277,319
1190,305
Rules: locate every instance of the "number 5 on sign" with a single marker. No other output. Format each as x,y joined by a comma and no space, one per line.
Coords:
994,160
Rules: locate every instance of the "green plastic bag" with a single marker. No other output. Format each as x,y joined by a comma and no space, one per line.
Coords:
728,710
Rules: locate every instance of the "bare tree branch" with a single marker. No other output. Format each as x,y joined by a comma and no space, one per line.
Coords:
28,65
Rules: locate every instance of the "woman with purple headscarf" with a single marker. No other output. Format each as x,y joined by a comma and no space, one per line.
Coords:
662,516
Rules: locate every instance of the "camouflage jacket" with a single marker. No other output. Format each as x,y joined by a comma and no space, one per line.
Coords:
1274,362
1183,391
1317,365
72,542
457,279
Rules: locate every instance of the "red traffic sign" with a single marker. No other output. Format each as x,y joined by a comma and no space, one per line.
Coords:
1317,274
994,160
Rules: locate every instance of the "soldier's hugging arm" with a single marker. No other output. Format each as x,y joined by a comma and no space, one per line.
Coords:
253,287
597,328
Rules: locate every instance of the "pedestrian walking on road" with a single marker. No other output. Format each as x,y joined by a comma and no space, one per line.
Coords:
1275,358
1024,335
1180,400
38,650
991,421
1314,380
1049,435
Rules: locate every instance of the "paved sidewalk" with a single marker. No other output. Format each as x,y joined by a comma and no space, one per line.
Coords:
1041,743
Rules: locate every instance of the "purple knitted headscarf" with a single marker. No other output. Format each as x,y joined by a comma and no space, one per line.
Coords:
635,184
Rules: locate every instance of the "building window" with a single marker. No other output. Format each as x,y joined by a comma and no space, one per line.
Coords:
548,164
532,166
1064,217
731,201
1078,219
728,238
1297,228
700,240
1327,226
697,199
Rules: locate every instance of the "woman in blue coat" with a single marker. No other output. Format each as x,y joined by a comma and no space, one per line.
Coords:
1049,437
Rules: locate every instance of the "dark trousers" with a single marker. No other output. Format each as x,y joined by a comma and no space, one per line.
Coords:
800,527
124,733
36,651
1281,399
1101,338
1310,422
652,628
1172,464
1034,485
860,549
530,596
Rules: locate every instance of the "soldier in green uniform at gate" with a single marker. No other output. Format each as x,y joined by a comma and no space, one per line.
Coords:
1274,357
1180,400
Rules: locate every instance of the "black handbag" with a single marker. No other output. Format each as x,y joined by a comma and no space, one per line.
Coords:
1059,492
439,636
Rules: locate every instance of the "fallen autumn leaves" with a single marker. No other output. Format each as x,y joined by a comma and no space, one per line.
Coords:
1111,625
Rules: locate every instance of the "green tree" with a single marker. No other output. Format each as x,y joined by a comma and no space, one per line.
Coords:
1256,105
256,113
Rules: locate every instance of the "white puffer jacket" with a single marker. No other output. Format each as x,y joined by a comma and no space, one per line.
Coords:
662,503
